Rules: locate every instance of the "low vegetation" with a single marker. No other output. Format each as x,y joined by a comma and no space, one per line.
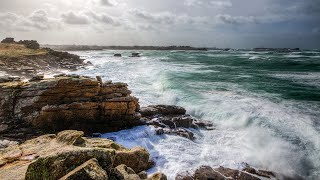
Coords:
18,50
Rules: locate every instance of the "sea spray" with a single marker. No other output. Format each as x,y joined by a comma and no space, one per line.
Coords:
265,106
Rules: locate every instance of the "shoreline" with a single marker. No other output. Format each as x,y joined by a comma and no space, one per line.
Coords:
84,100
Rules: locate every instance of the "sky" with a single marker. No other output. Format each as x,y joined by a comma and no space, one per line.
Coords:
202,23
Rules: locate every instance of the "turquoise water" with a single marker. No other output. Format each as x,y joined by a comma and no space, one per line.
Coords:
266,106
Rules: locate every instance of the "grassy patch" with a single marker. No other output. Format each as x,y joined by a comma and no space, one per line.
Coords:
17,50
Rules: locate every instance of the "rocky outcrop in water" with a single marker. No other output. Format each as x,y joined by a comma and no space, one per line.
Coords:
69,155
172,120
222,173
65,102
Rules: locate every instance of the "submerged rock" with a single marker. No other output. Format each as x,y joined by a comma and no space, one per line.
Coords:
67,102
68,155
135,55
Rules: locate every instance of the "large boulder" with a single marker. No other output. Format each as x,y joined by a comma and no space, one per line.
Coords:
89,170
68,154
68,102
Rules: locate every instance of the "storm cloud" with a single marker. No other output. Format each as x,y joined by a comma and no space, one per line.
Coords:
220,23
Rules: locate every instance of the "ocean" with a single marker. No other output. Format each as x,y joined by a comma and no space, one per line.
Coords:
265,106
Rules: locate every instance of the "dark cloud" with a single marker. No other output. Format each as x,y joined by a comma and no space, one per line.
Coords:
107,2
73,18
166,18
225,18
103,18
209,3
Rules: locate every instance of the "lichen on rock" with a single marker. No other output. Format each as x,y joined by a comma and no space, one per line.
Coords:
56,156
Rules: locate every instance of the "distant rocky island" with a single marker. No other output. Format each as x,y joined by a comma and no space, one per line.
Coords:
87,47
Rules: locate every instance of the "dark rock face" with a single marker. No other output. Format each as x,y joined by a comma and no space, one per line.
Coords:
8,40
222,173
67,102
172,120
117,55
31,44
162,109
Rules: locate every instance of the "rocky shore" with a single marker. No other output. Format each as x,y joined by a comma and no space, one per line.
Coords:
26,59
50,128
69,155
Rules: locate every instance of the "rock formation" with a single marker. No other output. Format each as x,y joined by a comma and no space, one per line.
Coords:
31,44
66,102
221,173
68,155
8,40
172,120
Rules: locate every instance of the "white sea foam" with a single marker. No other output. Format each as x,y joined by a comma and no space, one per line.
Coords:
250,128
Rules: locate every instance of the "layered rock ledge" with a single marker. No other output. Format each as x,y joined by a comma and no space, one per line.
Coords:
68,155
65,102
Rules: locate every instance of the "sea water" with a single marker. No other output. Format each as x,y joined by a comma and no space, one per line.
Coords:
265,106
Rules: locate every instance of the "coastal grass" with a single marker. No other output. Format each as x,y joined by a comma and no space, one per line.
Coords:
18,50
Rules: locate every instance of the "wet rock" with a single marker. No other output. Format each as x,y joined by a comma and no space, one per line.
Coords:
143,175
162,109
5,79
117,55
262,173
180,132
123,172
89,170
206,172
4,128
172,120
89,63
36,78
99,79
158,176
137,158
135,55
